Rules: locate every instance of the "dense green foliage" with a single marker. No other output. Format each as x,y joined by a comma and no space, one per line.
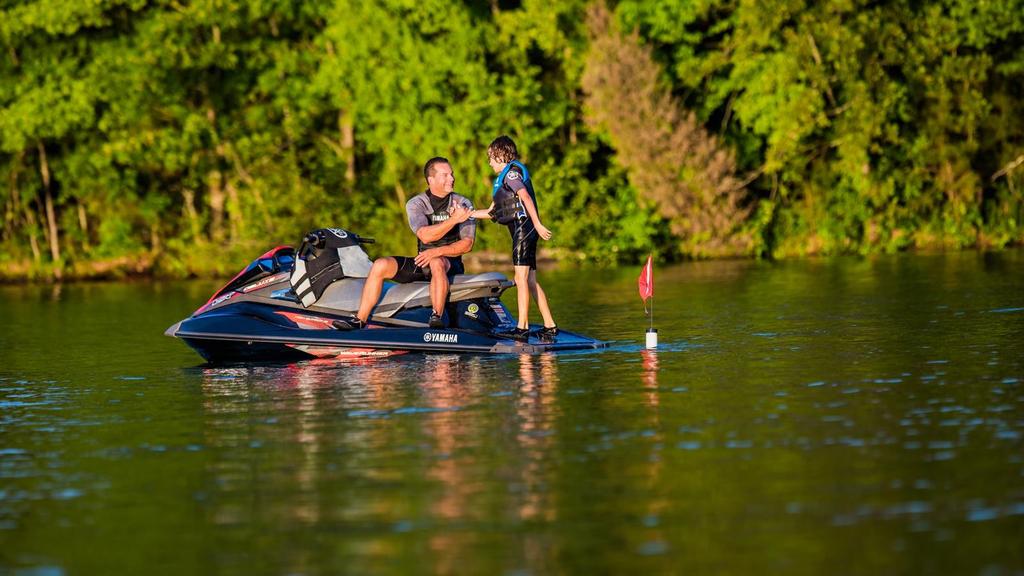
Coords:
175,137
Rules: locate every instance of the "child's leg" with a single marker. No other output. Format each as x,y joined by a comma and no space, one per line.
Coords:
523,295
542,300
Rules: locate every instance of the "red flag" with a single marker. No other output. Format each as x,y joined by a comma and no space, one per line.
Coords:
646,280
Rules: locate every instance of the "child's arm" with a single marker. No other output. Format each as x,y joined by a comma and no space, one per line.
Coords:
482,213
524,197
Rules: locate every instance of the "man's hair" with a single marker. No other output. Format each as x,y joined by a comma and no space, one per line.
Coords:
428,168
503,149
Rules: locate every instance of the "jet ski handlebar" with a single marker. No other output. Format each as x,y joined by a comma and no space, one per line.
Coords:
317,240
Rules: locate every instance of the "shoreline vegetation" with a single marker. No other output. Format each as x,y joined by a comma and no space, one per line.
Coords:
150,266
175,140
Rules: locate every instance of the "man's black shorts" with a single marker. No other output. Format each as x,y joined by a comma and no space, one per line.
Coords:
524,243
408,271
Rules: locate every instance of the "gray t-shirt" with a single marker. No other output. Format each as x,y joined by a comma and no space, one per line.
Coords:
426,209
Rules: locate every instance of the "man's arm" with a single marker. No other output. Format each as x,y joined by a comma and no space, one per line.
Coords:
435,232
457,248
459,215
426,232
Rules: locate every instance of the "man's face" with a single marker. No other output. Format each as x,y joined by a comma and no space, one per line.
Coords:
495,165
441,182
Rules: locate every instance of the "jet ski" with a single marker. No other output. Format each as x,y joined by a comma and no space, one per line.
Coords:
286,305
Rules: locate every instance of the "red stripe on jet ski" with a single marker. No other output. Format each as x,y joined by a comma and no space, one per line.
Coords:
307,322
342,353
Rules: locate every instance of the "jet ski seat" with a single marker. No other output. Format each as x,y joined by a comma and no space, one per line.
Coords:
345,294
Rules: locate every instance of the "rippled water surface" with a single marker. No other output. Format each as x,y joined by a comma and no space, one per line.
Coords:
816,417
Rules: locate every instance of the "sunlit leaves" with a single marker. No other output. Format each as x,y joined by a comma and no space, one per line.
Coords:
870,125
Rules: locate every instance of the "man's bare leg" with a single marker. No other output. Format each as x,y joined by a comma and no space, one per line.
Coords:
523,295
542,300
438,284
382,269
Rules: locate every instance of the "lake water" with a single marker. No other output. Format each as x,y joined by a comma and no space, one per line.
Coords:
843,416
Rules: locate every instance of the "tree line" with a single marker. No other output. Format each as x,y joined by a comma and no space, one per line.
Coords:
182,138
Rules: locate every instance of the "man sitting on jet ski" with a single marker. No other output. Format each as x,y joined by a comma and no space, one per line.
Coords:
444,232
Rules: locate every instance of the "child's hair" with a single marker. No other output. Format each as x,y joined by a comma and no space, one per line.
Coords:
503,149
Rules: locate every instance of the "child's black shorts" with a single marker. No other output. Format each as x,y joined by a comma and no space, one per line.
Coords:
408,271
524,243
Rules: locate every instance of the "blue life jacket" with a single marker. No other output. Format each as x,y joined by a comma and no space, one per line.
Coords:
507,207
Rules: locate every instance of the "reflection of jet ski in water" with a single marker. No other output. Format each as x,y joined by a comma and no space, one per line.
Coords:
284,306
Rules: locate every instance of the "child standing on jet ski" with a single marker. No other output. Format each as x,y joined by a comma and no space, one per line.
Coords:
515,205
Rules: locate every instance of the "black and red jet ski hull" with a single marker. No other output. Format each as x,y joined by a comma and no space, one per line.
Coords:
229,338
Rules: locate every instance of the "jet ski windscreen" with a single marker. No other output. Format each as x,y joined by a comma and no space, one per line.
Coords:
275,260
